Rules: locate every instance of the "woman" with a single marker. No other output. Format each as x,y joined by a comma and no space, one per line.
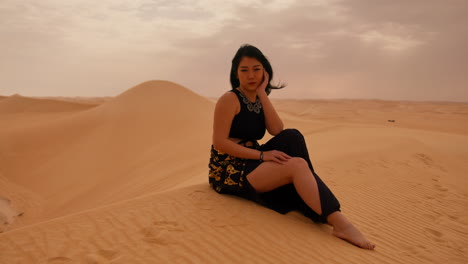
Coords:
278,174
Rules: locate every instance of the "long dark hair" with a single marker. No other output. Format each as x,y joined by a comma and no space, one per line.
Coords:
250,51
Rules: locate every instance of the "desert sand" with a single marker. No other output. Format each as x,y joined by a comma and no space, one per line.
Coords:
125,180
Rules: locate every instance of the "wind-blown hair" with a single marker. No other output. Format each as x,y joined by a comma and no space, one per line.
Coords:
250,51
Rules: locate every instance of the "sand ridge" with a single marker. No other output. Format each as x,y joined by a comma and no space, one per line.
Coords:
125,181
125,134
18,104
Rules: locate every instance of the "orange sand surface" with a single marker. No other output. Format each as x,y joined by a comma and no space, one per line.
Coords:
125,180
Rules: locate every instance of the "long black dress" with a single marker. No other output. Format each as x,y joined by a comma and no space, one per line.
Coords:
228,174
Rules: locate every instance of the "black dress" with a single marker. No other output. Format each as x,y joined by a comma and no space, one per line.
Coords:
228,174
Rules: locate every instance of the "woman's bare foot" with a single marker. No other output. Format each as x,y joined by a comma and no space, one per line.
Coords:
344,229
352,235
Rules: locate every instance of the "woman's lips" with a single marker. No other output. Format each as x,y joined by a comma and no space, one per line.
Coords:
252,83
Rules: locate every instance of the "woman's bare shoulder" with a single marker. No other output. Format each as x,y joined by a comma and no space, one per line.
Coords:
228,98
228,104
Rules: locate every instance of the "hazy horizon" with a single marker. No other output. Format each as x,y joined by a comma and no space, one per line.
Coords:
357,49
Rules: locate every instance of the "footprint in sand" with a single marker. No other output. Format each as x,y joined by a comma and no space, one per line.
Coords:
7,214
163,233
228,219
428,161
434,232
424,159
102,256
436,235
423,247
442,191
200,199
60,260
453,217
440,188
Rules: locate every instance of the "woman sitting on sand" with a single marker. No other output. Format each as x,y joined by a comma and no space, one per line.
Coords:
278,174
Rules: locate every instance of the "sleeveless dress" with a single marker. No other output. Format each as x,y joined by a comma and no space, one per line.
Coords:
228,174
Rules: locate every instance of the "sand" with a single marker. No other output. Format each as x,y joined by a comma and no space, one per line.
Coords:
124,180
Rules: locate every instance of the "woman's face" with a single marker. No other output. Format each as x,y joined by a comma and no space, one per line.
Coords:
250,73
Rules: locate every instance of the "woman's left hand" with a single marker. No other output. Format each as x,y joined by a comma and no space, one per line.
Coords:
264,84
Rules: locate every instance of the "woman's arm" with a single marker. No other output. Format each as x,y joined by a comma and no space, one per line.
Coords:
226,108
273,121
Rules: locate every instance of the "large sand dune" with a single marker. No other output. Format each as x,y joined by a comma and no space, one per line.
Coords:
125,181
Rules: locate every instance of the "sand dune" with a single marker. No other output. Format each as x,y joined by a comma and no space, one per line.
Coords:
126,182
121,146
18,104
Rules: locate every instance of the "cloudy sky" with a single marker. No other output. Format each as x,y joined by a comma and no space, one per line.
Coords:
395,50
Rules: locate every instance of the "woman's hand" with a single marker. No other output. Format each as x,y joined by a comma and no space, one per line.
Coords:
276,156
264,84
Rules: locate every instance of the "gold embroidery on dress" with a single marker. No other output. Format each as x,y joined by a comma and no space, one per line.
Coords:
229,181
215,172
225,170
231,170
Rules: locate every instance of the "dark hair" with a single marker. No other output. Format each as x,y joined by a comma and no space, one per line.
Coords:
247,50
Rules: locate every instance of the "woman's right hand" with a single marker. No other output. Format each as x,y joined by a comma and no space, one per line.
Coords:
276,156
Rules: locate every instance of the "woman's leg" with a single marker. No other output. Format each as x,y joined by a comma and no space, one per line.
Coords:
292,142
299,171
270,175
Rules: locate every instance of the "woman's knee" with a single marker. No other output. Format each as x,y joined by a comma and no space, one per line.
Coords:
298,164
292,133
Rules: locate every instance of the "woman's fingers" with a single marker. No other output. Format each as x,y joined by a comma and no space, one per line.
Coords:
279,161
281,157
277,156
265,75
264,84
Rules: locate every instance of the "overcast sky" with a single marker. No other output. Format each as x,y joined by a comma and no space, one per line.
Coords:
396,50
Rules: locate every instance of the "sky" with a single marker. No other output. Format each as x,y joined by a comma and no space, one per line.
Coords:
323,49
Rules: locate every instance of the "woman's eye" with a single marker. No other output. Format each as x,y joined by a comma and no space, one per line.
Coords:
243,70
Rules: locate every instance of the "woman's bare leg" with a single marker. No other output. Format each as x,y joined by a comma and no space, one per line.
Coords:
270,175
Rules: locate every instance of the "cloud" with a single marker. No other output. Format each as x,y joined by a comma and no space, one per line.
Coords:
348,49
